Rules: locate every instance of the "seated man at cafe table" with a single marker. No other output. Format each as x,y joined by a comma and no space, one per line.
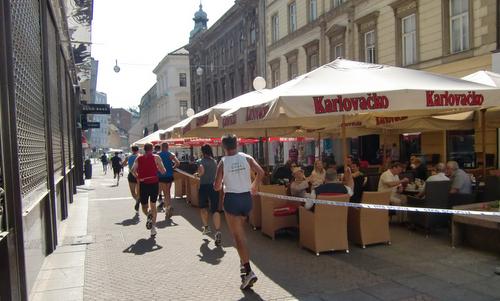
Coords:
460,180
389,180
334,186
438,174
359,180
419,170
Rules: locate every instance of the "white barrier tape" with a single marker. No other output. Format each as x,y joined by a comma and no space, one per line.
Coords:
379,207
182,172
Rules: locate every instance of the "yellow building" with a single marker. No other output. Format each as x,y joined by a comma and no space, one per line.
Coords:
453,37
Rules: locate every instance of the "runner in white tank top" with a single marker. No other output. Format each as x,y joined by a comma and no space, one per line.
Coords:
234,170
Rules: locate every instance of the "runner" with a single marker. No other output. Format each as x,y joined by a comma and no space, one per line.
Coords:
132,181
170,162
145,169
104,161
116,163
235,170
206,171
156,151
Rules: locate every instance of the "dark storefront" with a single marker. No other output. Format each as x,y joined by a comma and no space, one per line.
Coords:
40,150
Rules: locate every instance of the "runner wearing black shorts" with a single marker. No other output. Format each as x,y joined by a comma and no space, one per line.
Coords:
145,170
170,162
234,170
116,164
207,168
132,181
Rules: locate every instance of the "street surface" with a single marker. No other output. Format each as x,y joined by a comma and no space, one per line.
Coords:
124,263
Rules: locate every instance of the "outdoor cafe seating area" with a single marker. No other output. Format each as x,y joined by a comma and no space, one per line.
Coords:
337,228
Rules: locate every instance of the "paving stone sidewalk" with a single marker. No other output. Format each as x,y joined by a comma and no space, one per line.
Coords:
124,263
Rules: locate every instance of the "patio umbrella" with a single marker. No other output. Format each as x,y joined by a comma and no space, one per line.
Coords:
332,93
151,138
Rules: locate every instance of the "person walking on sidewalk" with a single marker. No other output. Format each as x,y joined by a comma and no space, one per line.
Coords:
132,181
116,164
207,167
145,169
234,170
104,161
170,162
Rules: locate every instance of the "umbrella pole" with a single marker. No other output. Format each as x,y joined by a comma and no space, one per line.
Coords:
384,155
319,146
344,140
483,138
266,151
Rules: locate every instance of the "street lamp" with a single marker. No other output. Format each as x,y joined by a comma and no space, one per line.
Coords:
259,83
116,68
199,71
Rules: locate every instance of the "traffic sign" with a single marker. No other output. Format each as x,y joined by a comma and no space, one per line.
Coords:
93,125
95,108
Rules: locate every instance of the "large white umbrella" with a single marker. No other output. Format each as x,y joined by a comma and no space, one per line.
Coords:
153,137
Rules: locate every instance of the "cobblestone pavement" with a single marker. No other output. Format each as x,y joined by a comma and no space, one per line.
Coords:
124,263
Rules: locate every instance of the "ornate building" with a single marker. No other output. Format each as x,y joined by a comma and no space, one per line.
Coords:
225,58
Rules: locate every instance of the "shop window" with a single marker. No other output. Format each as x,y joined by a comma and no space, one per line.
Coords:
460,147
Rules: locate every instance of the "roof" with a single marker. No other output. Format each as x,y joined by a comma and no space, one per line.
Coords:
179,51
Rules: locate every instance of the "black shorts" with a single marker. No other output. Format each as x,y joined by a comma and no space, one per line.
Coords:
166,180
131,178
206,193
117,170
148,192
239,204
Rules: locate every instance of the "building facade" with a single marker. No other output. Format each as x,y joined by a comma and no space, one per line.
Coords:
121,120
99,137
452,37
41,146
226,57
168,100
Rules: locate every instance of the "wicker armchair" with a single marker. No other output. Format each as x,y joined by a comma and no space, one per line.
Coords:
270,222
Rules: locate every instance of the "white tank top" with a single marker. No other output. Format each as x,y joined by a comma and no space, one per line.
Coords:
237,173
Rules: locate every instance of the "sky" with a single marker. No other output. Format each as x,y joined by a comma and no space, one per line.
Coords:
139,36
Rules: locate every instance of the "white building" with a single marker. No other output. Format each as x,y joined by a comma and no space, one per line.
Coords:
166,103
99,137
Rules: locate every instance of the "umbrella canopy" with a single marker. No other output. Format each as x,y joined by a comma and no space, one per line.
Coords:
350,88
151,138
491,79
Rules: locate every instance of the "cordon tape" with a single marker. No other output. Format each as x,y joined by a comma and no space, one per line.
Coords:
369,206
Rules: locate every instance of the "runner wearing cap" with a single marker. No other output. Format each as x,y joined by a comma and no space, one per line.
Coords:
145,169
234,170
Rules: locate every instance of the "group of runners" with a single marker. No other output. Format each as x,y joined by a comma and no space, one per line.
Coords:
152,173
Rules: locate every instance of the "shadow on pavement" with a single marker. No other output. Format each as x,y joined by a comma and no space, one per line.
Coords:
143,246
130,221
250,294
165,223
211,256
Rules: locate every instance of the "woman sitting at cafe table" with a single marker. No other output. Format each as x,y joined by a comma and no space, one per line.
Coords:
317,176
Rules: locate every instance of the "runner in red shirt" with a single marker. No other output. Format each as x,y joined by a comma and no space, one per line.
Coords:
145,169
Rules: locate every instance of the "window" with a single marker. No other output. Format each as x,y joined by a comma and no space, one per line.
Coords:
275,72
223,89
291,60
231,48
313,10
253,33
460,148
292,17
313,61
216,96
182,79
409,40
209,94
231,85
459,25
370,47
242,42
275,24
337,2
183,105
338,50
312,53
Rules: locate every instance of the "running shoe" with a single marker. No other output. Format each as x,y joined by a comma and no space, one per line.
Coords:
153,231
248,280
218,238
243,273
206,230
149,222
136,206
169,212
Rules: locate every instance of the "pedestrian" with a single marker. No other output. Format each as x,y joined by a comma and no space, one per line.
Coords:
234,170
116,164
104,161
170,162
207,167
132,181
145,170
156,151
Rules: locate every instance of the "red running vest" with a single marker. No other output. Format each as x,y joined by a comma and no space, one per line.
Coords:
147,170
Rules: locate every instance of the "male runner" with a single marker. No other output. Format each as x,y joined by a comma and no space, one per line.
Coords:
170,162
207,168
234,170
156,151
104,161
132,181
145,169
116,163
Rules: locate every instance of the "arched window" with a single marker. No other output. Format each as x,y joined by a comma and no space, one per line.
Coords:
155,127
